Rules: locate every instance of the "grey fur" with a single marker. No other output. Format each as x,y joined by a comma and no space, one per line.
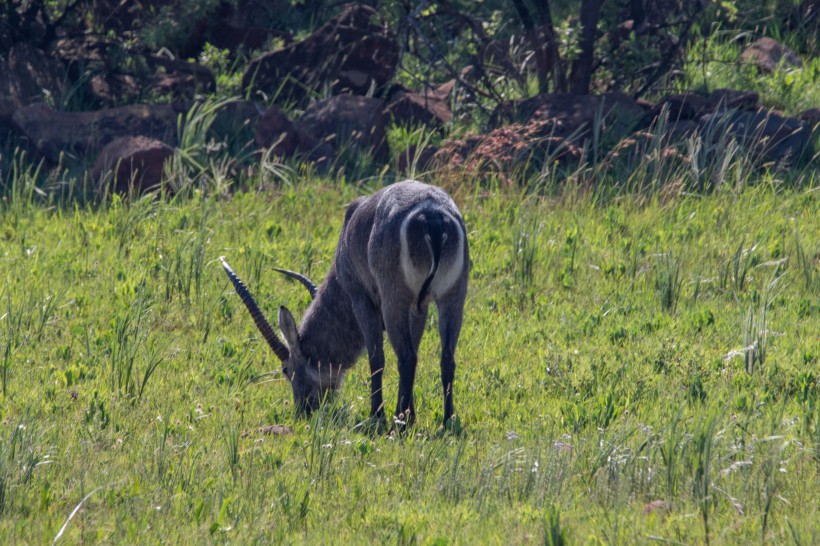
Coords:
378,283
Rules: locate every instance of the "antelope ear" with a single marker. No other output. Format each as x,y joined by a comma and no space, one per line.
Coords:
288,327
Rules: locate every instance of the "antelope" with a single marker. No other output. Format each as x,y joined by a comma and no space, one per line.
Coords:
400,248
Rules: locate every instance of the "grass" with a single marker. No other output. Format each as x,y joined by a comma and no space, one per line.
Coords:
638,362
603,389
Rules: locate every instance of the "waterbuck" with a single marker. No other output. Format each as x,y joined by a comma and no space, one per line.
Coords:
400,248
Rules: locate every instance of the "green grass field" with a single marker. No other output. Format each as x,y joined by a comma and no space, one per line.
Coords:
631,370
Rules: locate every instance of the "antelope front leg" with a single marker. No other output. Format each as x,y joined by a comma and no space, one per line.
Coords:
369,320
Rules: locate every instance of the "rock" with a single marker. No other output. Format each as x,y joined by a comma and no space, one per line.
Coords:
236,122
443,91
120,17
176,86
427,107
349,120
350,54
134,164
412,160
810,116
53,132
808,10
767,136
724,99
27,76
284,138
641,144
108,85
179,79
507,58
680,106
113,89
681,130
632,148
413,109
572,116
238,25
454,153
768,55
690,107
226,35
504,151
114,83
275,131
85,50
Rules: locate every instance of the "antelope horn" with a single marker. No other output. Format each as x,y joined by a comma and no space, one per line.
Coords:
278,347
302,279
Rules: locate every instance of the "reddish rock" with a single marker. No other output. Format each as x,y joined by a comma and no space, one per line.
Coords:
131,164
768,55
53,132
454,153
505,151
350,54
349,120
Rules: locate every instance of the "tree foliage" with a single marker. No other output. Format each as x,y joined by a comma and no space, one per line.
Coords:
495,49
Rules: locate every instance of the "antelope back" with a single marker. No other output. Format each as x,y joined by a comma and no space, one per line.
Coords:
407,238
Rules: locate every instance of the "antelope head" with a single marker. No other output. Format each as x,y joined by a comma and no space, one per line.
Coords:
310,383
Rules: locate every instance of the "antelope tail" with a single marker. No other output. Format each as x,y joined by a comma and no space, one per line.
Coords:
435,240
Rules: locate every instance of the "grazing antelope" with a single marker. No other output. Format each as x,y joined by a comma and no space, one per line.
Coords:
400,248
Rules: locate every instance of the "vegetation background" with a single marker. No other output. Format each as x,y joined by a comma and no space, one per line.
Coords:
639,362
